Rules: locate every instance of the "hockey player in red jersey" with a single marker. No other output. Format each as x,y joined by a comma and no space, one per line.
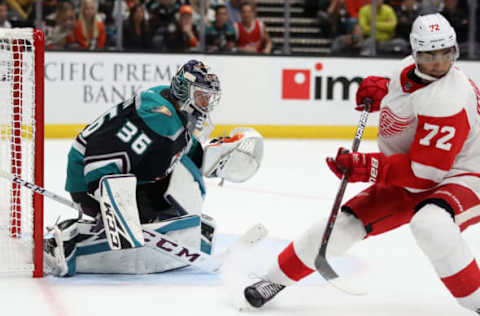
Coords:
427,173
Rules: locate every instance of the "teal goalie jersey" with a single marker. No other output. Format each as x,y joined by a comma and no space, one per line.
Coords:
143,135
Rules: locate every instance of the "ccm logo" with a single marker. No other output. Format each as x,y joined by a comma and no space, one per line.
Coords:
176,250
112,226
31,186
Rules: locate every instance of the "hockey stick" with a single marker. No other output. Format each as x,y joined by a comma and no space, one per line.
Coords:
212,264
161,242
321,264
37,189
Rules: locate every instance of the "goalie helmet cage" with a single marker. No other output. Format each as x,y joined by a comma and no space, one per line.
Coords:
21,150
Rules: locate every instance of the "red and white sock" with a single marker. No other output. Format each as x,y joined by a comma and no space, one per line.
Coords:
296,261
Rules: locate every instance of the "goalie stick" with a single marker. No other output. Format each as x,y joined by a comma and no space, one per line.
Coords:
37,189
321,263
161,242
212,264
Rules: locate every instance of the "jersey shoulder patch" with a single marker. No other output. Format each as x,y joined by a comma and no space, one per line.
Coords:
162,109
159,114
408,85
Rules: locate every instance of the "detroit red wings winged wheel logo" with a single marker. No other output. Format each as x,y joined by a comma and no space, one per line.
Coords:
391,124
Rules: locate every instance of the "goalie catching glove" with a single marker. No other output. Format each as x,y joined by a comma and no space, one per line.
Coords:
235,158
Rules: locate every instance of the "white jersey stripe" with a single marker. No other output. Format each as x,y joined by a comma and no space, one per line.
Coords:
467,215
427,172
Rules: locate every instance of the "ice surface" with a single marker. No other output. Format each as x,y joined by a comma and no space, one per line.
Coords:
292,189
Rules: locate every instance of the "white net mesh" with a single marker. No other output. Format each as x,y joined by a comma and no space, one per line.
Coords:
17,148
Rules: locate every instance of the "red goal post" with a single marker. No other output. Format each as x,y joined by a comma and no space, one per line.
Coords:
21,149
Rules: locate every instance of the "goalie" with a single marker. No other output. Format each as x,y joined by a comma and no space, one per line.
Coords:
137,171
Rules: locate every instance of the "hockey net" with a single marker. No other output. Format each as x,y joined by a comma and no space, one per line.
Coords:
21,150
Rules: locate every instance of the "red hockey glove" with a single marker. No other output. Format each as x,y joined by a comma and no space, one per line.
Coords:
363,167
371,90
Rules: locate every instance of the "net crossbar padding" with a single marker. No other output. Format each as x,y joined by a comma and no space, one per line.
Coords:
21,150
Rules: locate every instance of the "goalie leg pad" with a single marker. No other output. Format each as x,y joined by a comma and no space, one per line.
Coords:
186,190
94,256
208,238
118,206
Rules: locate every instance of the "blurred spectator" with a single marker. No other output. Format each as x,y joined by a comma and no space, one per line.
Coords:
349,41
329,16
349,44
233,9
431,6
49,7
209,14
136,31
61,36
386,22
219,35
108,17
458,18
395,4
184,36
311,7
438,5
457,13
252,36
406,14
338,17
4,23
125,6
162,18
478,28
90,30
354,6
21,8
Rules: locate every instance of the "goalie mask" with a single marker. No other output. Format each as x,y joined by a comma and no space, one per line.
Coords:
195,88
429,33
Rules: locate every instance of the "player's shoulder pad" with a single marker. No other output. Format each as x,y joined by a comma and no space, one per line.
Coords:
158,113
444,97
395,78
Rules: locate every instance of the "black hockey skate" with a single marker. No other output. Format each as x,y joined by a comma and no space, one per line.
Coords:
261,292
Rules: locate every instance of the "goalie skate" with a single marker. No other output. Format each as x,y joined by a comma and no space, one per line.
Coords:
261,292
58,247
